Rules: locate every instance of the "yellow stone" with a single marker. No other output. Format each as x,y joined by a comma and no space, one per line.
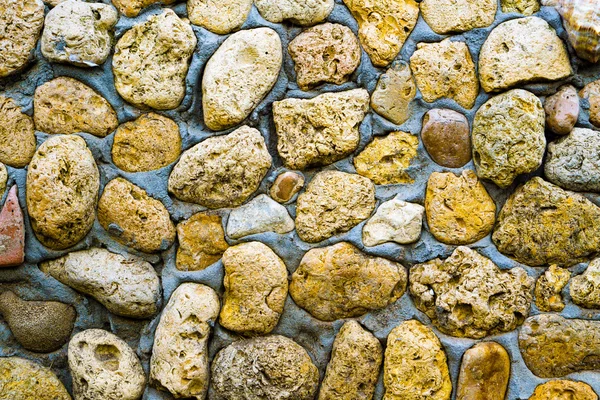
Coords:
21,379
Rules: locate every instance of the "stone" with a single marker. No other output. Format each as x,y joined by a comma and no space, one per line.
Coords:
299,12
352,372
447,16
131,8
508,137
484,373
467,295
125,285
286,186
62,191
17,138
415,365
525,7
564,390
340,281
221,171
386,159
23,379
104,367
151,59
326,53
12,231
65,105
542,224
446,137
238,76
585,288
394,221
179,360
562,110
79,33
256,286
459,209
274,366
521,51
591,92
219,17
261,214
201,242
548,289
394,93
135,219
334,202
445,69
3,179
383,26
147,143
321,130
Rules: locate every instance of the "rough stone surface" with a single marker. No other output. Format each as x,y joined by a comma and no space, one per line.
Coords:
3,179
201,242
564,390
12,231
446,136
448,16
261,214
23,379
131,8
591,92
484,373
394,93
525,7
394,221
299,12
548,289
286,186
17,138
585,288
218,16
562,110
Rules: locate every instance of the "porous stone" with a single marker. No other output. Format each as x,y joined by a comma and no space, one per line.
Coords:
394,93
340,281
521,51
3,179
564,390
467,295
275,367
23,379
239,75
446,137
448,16
261,214
221,171
562,110
126,286
62,191
12,230
542,224
286,186
415,365
131,8
525,7
150,63
17,138
591,92
255,289
585,288
459,209
201,242
508,136
334,202
548,289
179,360
218,16
394,221
299,12
134,218
321,130
484,373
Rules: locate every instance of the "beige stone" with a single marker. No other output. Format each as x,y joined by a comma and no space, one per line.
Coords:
217,16
525,7
548,289
484,373
394,93
17,138
591,92
201,242
301,12
286,186
3,179
451,16
562,110
564,390
27,380
585,288
394,221
446,137
259,215
131,8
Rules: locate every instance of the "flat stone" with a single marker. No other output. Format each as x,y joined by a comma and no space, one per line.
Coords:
394,93
217,16
394,221
17,138
299,12
201,242
446,137
525,7
585,288
286,186
562,110
24,379
448,16
564,390
261,214
484,373
131,8
12,231
591,92
548,289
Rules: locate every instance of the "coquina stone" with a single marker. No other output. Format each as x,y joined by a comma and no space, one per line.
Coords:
321,130
17,138
591,92
525,7
217,16
585,288
261,214
286,186
484,373
301,12
564,390
24,379
467,295
446,137
340,281
548,289
394,221
150,63
126,286
221,171
201,242
394,93
562,110
239,75
12,227
447,16
62,191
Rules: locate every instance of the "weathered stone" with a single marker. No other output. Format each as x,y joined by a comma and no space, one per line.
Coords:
218,16
299,12
548,289
275,367
65,105
286,186
542,224
564,390
448,16
415,364
340,281
521,51
179,361
151,61
525,7
239,75
394,92
326,53
484,373
201,242
394,221
459,209
150,142
585,288
24,380
131,8
591,92
334,202
62,191
445,135
445,69
261,214
467,295
3,179
221,171
126,286
562,110
352,372
17,138
12,231
255,289
508,136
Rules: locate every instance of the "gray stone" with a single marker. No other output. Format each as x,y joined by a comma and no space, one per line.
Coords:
261,214
394,221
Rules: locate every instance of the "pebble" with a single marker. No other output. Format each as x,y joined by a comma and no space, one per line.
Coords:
448,16
585,288
446,137
564,390
131,8
301,12
394,93
261,214
17,138
286,185
562,110
21,379
12,231
548,289
591,92
484,373
525,7
394,221
201,242
219,17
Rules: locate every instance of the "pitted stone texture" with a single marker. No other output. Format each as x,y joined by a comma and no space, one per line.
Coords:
394,93
564,390
448,16
24,380
150,63
591,92
201,242
135,219
221,171
65,105
445,135
126,286
508,137
131,8
334,202
3,179
12,227
239,75
585,288
562,110
301,12
319,131
525,7
340,281
286,186
484,373
542,224
179,361
256,286
261,214
274,367
521,51
62,191
17,138
217,16
394,221
467,295
548,289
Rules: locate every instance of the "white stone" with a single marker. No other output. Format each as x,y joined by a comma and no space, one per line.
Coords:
394,221
261,214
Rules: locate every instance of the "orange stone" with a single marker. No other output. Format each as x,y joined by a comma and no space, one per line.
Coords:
12,232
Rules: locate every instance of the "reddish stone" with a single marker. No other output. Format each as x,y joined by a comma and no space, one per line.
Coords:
12,232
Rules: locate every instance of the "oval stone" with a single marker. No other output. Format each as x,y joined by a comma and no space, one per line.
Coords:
301,12
563,389
484,373
24,379
220,17
17,137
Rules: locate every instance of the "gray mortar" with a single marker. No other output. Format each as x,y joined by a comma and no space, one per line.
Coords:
316,336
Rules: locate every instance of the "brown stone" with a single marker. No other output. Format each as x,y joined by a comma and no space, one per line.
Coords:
17,138
445,135
585,288
21,379
286,185
548,289
394,93
201,242
484,373
562,110
12,232
564,390
591,92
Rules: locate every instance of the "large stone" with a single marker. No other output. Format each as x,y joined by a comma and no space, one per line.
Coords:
562,110
220,17
585,288
564,390
131,8
21,379
17,138
319,131
484,373
340,281
261,214
394,221
467,295
201,242
591,92
301,12
451,16
239,75
445,135
548,289
394,93
525,7
12,231
286,186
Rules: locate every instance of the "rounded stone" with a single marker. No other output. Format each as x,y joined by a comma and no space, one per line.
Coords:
448,16
131,8
562,110
12,226
591,92
484,373
394,93
446,137
201,242
301,12
17,138
525,7
394,221
24,379
564,390
217,16
585,288
259,215
286,186
3,179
